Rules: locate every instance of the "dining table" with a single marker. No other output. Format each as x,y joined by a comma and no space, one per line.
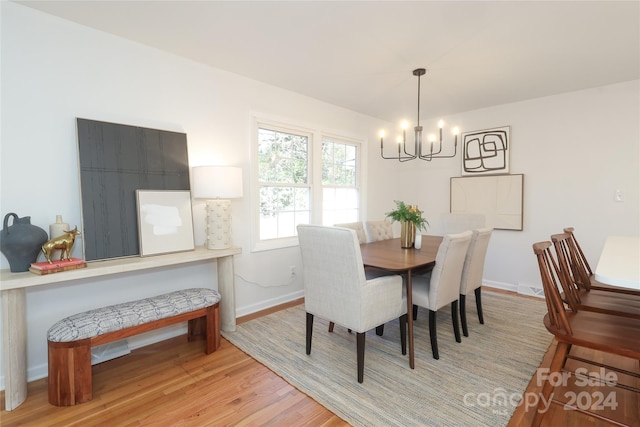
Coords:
389,255
619,263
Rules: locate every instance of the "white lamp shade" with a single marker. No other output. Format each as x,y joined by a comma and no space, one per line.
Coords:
217,182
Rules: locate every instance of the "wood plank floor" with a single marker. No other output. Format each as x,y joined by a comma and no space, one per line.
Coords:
173,383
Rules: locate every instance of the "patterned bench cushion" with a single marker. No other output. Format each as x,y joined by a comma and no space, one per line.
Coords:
125,315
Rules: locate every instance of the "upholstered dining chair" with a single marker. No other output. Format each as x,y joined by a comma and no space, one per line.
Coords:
358,227
583,264
336,289
599,331
472,274
572,275
378,230
441,286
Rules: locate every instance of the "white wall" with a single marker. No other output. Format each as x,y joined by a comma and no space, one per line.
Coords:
574,149
54,71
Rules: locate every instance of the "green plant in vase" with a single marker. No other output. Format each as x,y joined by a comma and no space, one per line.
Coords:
410,219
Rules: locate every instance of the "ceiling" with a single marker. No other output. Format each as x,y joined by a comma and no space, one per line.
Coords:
360,54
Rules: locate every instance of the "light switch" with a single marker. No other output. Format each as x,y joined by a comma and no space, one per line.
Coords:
619,196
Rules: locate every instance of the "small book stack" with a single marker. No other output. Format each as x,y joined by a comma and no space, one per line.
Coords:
57,266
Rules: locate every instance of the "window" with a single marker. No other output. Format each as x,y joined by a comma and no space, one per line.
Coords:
340,194
300,181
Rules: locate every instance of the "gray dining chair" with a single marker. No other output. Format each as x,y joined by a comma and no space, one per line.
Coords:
441,286
472,272
336,289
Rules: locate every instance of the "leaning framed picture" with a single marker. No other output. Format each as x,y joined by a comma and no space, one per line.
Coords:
165,223
486,152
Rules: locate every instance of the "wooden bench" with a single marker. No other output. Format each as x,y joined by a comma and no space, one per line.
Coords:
70,340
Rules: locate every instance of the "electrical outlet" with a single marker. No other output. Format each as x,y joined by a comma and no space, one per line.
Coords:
619,196
292,271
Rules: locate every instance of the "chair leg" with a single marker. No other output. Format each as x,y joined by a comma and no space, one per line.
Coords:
557,363
309,331
360,349
478,293
454,319
463,315
331,325
403,333
433,334
415,312
380,330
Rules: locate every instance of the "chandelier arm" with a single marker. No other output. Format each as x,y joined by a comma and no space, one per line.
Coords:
435,156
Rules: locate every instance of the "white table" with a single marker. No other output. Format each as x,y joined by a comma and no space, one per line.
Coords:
14,313
619,263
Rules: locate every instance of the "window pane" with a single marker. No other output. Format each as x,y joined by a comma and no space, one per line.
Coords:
339,163
282,157
282,209
340,205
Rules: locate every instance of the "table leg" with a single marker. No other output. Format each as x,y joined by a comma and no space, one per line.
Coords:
410,318
227,290
14,347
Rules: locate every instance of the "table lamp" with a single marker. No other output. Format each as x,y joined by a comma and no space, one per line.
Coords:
217,184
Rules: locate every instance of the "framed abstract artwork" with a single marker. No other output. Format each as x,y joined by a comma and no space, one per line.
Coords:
486,152
165,223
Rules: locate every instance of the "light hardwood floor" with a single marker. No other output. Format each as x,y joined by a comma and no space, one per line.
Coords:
173,383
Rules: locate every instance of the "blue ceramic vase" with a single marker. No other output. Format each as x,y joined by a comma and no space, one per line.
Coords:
21,242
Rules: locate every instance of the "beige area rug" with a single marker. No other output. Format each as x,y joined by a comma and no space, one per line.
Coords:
478,382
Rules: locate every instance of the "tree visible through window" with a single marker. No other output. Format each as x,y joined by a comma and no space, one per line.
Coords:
283,175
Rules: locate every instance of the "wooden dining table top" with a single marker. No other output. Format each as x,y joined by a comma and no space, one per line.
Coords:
388,255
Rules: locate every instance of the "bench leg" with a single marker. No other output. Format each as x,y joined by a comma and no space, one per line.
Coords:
70,379
207,327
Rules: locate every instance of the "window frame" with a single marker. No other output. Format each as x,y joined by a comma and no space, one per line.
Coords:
314,161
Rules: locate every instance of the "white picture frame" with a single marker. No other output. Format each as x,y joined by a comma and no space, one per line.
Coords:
486,152
499,198
165,222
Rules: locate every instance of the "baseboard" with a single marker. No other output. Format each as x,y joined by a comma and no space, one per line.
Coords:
530,290
265,305
500,285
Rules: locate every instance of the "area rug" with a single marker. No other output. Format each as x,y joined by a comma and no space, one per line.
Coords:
478,382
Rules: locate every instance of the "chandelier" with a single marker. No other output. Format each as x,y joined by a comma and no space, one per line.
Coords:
434,150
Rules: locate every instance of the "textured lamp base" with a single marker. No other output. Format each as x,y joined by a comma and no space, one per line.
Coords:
218,222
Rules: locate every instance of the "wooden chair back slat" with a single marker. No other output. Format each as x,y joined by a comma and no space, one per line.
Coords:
548,274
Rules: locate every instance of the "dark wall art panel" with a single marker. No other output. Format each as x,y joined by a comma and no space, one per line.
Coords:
115,161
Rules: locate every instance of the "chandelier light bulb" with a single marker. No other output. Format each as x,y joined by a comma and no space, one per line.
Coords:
441,124
404,125
432,138
456,131
399,139
382,134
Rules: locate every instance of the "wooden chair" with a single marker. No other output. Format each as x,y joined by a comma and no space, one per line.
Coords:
592,283
336,289
599,331
572,275
441,285
472,274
